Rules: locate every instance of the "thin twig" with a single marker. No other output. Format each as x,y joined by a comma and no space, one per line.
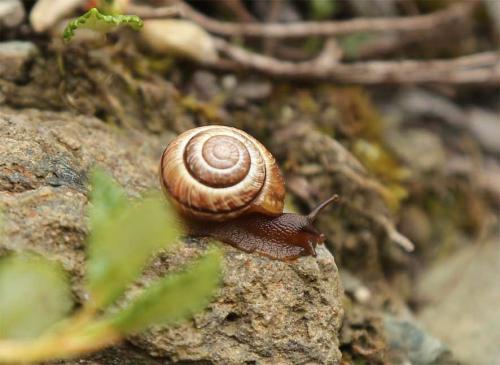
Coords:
388,227
416,23
477,68
148,12
71,339
364,182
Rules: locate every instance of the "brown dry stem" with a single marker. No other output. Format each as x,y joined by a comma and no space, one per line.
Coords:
388,227
477,68
148,12
70,340
481,68
416,23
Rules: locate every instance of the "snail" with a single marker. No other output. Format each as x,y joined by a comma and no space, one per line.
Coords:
225,184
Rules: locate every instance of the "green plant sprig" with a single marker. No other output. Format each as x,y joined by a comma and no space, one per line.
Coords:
95,20
123,237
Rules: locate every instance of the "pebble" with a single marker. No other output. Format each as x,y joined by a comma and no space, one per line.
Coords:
414,345
11,13
485,126
14,55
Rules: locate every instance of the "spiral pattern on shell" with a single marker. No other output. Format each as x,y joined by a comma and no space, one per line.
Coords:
219,172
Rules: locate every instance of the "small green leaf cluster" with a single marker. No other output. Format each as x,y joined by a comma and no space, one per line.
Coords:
95,20
35,297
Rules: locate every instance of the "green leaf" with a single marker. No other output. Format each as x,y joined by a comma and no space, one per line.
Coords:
174,297
93,19
123,237
108,200
34,294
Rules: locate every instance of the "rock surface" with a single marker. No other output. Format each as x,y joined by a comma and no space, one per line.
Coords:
412,344
266,312
462,294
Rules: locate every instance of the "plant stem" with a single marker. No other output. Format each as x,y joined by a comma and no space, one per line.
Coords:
66,342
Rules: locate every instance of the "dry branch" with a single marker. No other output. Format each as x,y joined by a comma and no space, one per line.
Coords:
384,222
148,12
477,68
329,28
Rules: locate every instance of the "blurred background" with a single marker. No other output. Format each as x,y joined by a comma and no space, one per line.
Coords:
392,104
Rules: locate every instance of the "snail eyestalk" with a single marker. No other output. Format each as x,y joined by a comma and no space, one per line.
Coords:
314,213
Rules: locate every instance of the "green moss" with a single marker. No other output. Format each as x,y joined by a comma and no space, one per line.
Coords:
210,111
364,126
151,65
322,9
455,211
306,102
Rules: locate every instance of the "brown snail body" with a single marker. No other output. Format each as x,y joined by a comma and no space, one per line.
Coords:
226,185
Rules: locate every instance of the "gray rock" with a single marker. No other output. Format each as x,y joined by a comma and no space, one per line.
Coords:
241,92
462,294
410,343
253,90
12,13
354,287
266,311
485,126
14,56
204,85
419,104
419,148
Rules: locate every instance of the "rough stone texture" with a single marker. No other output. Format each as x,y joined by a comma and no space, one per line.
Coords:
266,312
43,165
411,344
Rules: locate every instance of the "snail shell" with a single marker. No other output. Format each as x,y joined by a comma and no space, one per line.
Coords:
217,173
